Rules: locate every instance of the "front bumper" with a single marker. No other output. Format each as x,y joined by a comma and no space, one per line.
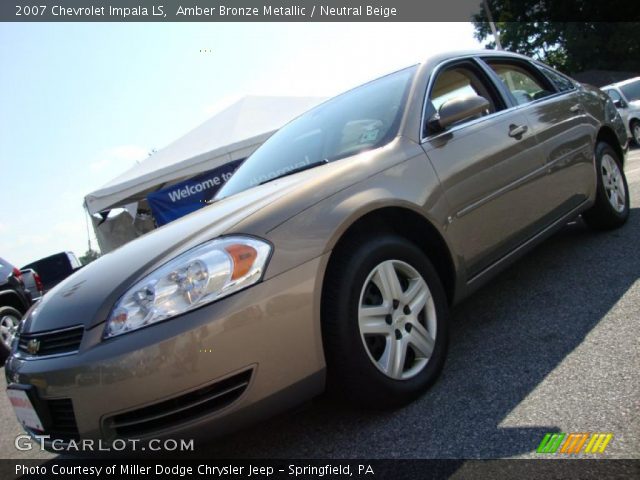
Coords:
267,336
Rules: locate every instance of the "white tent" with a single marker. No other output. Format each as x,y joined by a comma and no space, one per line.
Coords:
232,134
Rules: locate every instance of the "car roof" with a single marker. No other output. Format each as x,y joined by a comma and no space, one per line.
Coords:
622,83
440,57
5,263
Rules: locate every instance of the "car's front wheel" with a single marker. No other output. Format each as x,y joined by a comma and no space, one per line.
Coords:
611,208
9,321
385,321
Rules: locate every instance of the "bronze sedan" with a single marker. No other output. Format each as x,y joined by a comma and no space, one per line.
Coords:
332,256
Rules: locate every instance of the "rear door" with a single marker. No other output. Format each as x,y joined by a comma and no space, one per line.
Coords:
552,105
489,167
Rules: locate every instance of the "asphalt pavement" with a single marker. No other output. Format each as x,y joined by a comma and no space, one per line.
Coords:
551,345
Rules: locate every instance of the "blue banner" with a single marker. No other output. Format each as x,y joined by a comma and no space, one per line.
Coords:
185,197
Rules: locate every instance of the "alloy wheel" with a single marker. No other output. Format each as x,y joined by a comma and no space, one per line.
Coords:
8,328
613,183
635,131
397,319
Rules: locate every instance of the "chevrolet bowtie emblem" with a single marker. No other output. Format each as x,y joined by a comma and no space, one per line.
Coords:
33,346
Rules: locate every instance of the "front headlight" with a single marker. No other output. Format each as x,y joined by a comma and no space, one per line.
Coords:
199,276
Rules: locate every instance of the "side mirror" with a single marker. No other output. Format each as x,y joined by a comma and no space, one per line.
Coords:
457,109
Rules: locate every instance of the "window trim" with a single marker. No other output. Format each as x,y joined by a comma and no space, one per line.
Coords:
527,66
473,59
507,97
541,67
534,64
553,96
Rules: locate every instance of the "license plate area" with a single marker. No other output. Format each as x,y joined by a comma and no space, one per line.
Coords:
29,409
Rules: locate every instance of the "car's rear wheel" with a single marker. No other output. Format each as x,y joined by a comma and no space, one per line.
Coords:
635,131
385,322
611,208
9,321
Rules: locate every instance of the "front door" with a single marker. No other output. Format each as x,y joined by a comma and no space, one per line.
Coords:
489,167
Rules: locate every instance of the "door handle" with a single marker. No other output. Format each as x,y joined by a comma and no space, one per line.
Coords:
576,108
516,131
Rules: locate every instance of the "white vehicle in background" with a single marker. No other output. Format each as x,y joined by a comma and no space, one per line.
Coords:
626,97
32,282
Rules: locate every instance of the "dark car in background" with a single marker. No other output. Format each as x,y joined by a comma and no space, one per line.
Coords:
54,269
15,300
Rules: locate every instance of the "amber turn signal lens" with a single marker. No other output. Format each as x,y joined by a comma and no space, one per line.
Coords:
243,257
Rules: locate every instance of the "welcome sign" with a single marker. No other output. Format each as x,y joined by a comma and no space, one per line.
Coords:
185,197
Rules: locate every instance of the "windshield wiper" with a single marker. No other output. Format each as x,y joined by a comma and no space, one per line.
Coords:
298,170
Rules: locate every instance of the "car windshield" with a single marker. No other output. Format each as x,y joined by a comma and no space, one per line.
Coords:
631,90
361,119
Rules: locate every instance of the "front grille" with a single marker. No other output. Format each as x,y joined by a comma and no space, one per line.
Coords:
52,342
169,413
63,420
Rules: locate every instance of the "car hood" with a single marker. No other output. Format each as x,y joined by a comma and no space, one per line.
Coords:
87,297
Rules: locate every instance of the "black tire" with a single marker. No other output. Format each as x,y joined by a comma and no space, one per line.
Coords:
602,215
350,370
8,312
634,128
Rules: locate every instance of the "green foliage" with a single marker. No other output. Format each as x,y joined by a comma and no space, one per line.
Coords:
527,27
89,256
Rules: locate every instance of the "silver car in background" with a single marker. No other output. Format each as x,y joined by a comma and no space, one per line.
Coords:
32,282
626,98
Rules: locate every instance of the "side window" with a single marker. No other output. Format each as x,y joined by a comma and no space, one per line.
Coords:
523,85
562,83
615,96
459,82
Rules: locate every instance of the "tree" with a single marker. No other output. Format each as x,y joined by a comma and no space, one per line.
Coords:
89,256
540,29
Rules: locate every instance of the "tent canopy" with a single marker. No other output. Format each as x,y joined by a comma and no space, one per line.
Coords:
232,134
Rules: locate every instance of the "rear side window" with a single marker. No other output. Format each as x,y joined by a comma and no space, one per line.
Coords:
525,87
562,83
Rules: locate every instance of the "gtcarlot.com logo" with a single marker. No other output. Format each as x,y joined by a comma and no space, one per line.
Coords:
574,443
26,442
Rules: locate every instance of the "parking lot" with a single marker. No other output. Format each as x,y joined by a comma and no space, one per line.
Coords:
551,345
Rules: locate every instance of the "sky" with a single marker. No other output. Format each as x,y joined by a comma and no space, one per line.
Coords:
82,103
